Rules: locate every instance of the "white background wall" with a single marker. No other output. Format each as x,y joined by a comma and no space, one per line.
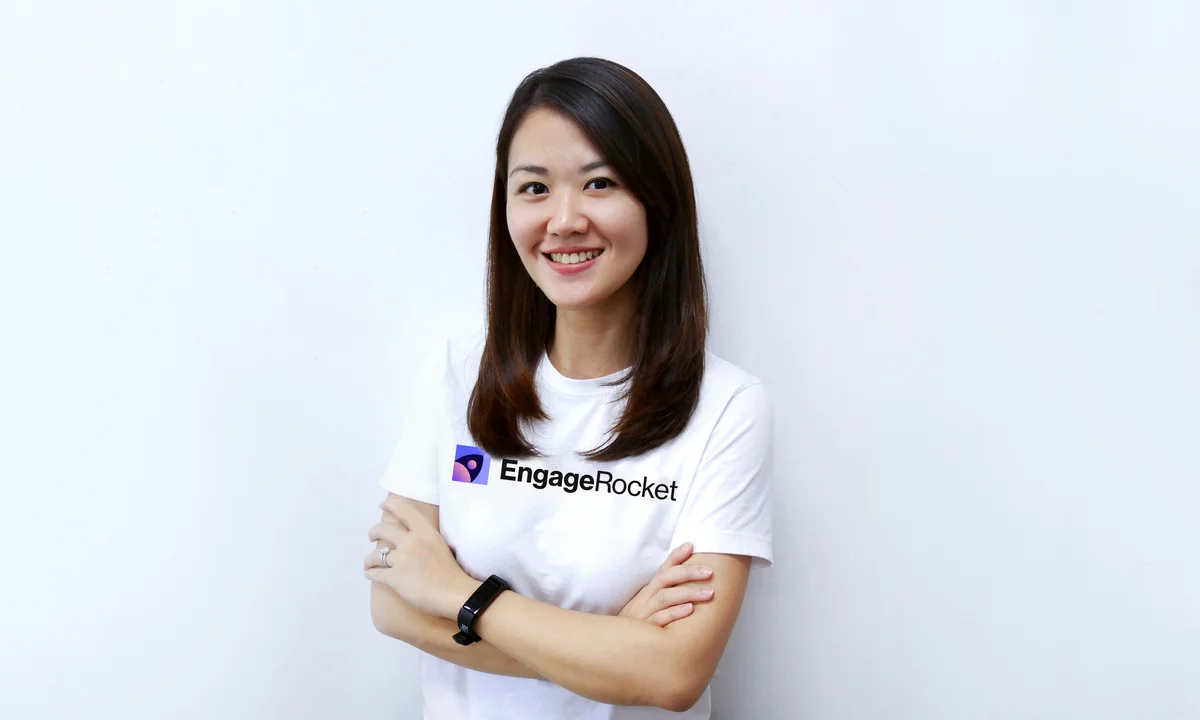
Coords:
958,240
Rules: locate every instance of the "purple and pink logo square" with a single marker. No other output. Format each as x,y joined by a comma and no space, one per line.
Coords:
471,465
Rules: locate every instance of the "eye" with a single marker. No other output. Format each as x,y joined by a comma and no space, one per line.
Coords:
539,187
603,183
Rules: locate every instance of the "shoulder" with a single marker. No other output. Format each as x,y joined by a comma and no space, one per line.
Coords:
729,388
453,358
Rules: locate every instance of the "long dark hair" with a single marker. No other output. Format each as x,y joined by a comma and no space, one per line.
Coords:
630,126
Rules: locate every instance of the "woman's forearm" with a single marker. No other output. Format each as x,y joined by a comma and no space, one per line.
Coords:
398,619
612,659
609,659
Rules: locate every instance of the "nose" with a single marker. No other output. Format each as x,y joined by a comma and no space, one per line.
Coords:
567,217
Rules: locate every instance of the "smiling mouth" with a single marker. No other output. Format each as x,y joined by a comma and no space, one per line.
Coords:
573,258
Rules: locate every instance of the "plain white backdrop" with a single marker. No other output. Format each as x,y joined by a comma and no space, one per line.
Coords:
959,241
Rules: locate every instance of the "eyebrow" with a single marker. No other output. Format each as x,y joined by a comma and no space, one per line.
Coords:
539,170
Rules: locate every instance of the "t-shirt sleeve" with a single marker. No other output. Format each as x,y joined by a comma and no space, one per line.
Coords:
728,509
413,471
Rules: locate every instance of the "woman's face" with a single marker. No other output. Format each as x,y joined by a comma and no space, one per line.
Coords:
578,231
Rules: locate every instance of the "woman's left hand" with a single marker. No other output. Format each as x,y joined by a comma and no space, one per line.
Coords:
420,566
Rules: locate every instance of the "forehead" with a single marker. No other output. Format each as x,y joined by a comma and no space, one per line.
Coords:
549,137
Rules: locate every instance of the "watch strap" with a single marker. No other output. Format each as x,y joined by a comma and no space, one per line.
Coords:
483,596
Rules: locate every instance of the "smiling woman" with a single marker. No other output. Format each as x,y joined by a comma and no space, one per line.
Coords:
592,378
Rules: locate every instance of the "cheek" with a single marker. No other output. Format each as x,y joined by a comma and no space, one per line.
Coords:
625,228
523,227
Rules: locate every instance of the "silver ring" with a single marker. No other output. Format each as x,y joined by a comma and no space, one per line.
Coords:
383,555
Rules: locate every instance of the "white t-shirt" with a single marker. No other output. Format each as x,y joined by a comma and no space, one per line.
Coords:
571,532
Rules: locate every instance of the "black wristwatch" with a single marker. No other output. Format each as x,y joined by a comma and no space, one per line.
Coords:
476,604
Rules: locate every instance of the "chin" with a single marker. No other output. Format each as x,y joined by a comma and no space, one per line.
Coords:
595,295
570,302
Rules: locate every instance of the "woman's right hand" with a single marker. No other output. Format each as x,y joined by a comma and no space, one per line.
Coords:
666,598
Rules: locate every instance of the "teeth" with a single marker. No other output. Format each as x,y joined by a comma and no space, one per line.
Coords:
572,258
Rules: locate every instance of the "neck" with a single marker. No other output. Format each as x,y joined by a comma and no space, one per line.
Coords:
595,341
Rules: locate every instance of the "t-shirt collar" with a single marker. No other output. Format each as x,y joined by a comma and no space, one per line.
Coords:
549,375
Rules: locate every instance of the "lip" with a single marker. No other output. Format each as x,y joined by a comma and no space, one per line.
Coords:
576,268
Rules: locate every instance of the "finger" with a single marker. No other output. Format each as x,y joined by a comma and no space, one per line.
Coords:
390,519
386,532
681,574
677,556
665,617
671,597
374,559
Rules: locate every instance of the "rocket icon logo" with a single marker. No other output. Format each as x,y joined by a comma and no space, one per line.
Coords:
471,465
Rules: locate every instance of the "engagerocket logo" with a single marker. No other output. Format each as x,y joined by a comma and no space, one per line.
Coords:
471,465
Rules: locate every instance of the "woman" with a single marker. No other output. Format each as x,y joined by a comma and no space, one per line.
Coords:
588,432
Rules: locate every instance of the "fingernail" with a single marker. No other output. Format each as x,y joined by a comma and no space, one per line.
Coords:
706,571
685,607
706,592
687,546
